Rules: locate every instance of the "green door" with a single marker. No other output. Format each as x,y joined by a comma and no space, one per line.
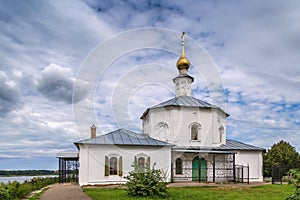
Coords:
203,169
196,171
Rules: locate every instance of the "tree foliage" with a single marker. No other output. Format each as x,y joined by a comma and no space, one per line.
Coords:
295,180
146,182
281,154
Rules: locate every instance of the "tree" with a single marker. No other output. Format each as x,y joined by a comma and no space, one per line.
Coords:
281,154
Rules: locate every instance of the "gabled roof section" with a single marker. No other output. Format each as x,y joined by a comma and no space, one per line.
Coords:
124,137
184,101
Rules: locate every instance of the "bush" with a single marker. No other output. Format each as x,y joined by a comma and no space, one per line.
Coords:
4,193
15,190
295,180
146,182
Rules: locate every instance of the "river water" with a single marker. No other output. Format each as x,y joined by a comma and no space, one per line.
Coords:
20,179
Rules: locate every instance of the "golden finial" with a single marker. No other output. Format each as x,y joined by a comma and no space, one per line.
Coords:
183,62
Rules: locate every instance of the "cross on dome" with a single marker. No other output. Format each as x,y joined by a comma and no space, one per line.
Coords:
183,62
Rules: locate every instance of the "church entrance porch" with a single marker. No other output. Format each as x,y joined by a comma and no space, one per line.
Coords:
200,166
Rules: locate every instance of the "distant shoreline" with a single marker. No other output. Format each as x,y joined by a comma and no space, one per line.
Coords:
3,176
11,173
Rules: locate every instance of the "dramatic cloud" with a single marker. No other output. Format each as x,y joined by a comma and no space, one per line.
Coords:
10,98
255,45
56,83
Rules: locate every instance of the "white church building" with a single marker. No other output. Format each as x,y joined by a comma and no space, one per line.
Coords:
183,136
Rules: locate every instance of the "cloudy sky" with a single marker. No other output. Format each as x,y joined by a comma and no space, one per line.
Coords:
45,46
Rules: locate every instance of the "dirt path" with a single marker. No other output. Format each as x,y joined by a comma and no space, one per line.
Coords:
65,191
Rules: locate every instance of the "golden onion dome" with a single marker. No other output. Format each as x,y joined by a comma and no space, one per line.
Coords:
183,62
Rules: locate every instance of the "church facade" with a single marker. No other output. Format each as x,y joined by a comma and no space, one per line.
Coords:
183,136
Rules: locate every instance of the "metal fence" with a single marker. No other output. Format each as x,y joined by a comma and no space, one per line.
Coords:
241,174
233,173
277,174
68,170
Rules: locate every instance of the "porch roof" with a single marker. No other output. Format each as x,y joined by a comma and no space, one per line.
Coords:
230,147
202,151
236,145
68,155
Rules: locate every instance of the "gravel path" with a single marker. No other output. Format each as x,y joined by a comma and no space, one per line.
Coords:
65,191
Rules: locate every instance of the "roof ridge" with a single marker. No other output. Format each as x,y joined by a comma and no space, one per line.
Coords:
183,98
127,130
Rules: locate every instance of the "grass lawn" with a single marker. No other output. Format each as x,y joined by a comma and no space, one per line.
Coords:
263,192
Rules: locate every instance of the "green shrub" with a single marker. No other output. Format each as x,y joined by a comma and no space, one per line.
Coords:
24,189
4,193
146,182
295,180
15,190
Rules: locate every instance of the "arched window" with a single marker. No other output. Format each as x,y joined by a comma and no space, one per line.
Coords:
141,162
162,131
113,166
194,132
178,166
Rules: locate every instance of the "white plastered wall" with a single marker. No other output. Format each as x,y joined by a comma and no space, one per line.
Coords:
92,162
179,120
254,160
